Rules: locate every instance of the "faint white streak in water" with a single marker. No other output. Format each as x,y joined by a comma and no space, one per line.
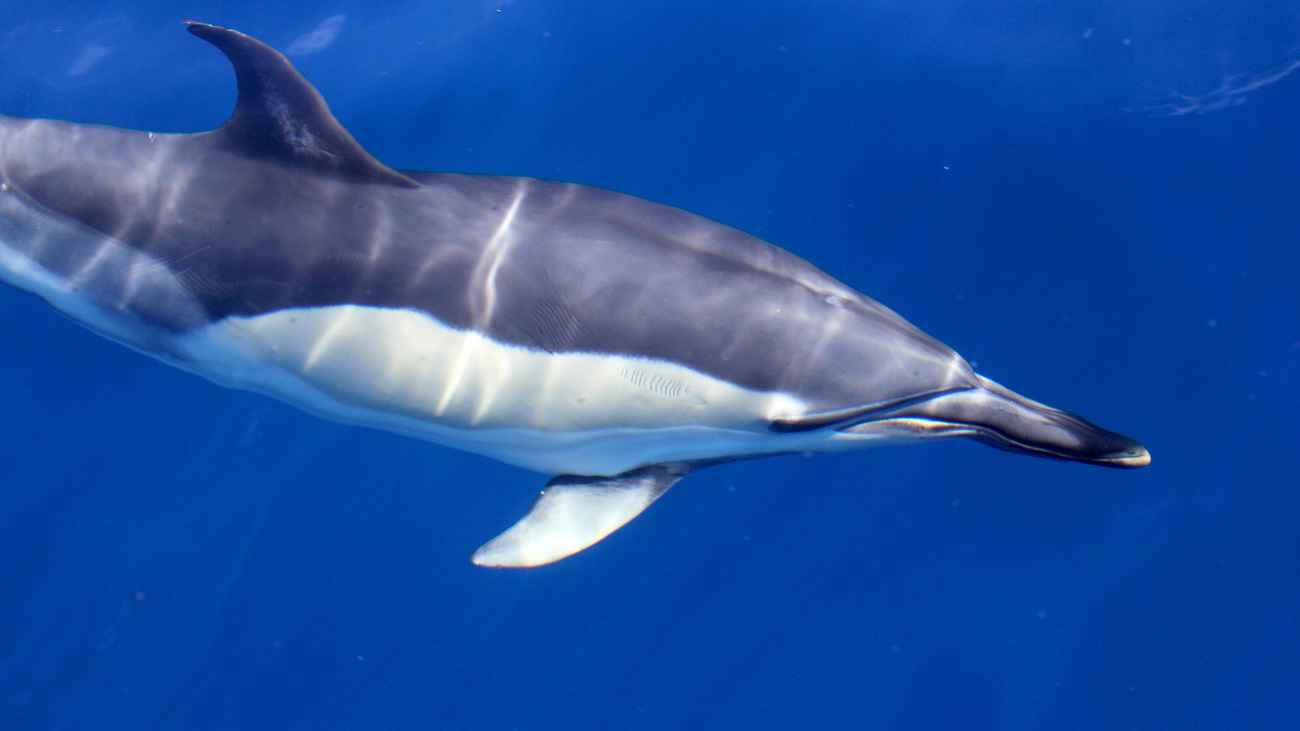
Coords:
317,39
1231,93
91,54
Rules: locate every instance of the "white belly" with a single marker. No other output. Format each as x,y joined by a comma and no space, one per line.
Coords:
575,413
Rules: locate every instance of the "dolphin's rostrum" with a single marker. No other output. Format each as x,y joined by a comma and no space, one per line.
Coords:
618,343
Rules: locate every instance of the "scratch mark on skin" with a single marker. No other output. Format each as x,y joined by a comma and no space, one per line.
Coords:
483,281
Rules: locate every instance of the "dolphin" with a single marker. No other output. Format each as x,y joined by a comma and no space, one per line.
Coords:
617,343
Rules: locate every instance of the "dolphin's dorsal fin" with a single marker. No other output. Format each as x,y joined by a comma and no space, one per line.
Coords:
280,115
574,512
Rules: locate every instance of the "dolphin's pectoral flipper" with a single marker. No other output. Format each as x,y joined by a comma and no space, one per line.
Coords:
574,512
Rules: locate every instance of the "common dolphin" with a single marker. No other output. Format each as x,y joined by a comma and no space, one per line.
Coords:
617,343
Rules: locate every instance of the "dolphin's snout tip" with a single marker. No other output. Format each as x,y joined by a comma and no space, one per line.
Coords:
1101,446
1132,458
1012,422
1078,440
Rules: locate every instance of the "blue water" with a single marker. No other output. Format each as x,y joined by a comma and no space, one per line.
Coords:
1094,202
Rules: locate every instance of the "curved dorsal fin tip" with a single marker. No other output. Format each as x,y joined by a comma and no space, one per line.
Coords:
280,115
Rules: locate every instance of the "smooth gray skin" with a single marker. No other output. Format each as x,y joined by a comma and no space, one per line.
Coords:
281,208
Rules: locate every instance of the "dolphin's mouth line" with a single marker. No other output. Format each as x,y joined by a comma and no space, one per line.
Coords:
845,419
921,425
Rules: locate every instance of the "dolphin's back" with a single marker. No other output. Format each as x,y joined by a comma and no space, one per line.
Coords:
537,264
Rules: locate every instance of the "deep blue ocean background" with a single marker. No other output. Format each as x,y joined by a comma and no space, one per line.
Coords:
1094,202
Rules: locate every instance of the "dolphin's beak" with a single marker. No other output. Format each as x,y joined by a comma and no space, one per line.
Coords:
1002,418
1018,424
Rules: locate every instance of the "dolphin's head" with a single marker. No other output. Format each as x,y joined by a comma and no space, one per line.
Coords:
999,417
